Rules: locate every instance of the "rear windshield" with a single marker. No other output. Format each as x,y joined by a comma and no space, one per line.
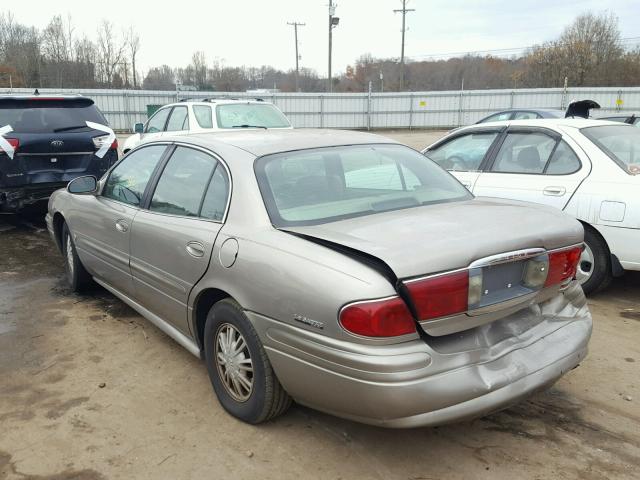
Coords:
47,116
312,187
620,142
246,115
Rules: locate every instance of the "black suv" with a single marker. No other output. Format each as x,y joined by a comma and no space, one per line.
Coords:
51,144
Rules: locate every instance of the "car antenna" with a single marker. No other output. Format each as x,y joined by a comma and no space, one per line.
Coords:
36,92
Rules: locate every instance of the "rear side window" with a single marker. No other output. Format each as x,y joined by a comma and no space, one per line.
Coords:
463,153
157,122
215,200
498,117
179,120
524,153
203,116
49,116
525,116
128,180
563,161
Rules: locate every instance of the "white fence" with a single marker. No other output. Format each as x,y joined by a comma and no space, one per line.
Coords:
443,109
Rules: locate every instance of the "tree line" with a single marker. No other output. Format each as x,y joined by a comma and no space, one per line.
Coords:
589,52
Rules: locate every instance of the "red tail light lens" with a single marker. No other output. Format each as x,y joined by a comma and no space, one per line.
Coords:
440,296
378,318
14,142
114,145
563,265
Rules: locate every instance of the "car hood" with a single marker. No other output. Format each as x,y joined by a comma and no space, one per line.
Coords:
436,238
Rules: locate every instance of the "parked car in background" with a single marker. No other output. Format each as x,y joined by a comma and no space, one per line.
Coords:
630,119
207,115
587,168
45,142
577,108
340,269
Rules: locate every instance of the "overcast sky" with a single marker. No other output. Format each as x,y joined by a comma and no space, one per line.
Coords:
255,32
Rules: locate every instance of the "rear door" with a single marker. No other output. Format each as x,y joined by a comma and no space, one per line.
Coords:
172,240
101,225
534,165
464,154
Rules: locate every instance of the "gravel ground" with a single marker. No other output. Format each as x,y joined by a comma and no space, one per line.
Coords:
89,390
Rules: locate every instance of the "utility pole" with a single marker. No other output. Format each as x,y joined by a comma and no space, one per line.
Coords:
295,33
404,12
333,23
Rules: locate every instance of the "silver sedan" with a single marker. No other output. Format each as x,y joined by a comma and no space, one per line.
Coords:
338,269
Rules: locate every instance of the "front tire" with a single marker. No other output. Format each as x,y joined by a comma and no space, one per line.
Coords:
594,270
239,368
77,277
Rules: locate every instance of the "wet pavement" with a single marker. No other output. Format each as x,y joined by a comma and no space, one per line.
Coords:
90,390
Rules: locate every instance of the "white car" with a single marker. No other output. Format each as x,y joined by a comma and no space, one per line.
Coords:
207,115
587,168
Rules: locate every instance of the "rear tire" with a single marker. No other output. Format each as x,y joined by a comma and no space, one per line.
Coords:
240,372
594,270
77,276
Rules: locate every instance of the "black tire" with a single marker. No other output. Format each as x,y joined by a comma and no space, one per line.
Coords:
77,276
267,398
601,274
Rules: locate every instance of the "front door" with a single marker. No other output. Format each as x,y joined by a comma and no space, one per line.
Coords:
534,165
172,240
101,227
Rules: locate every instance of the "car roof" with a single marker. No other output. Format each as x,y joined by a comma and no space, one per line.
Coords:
547,122
264,142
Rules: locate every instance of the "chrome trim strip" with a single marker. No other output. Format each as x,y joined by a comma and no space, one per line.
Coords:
507,257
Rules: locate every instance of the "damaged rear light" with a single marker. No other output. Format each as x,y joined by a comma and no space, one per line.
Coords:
98,142
14,142
563,265
441,295
388,317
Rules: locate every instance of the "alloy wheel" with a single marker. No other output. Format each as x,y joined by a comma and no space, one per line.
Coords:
585,265
233,361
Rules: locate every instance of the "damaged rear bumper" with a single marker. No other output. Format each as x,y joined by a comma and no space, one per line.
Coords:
442,380
15,199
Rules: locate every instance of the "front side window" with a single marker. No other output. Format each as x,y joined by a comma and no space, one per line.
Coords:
465,153
312,187
247,115
157,122
620,142
128,180
524,153
203,116
179,120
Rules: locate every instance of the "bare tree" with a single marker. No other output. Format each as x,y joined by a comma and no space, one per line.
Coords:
132,41
110,52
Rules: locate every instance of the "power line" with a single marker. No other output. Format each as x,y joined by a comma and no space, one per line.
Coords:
295,26
506,51
404,12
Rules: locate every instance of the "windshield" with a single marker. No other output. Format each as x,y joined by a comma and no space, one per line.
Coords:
620,142
312,187
47,116
247,115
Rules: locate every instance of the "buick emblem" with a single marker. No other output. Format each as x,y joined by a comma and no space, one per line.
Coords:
57,143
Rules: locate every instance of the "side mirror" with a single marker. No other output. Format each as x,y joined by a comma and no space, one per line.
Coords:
83,185
138,128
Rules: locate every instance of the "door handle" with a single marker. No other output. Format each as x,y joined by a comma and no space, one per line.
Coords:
195,249
554,191
122,226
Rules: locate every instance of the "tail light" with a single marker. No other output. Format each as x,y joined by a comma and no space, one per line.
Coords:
14,142
563,265
378,318
99,142
442,295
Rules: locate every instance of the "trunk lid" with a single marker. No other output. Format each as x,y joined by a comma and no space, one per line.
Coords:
436,238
